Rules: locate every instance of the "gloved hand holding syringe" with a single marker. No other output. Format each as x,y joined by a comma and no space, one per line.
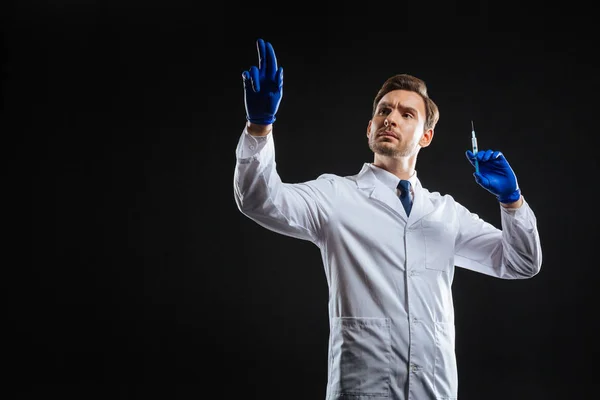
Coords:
495,174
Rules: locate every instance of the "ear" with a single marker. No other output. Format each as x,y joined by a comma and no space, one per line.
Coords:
369,127
426,138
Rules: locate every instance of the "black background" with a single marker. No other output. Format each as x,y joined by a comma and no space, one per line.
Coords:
128,271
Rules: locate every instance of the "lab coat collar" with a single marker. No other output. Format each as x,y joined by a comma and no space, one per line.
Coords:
378,191
389,179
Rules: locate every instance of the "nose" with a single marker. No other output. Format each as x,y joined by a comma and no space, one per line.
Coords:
388,122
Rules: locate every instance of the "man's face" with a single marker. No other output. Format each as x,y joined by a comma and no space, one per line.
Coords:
397,128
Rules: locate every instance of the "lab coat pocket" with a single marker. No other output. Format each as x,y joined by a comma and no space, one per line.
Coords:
439,244
360,358
445,370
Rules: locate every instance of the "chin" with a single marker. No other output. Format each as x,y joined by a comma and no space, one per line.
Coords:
384,149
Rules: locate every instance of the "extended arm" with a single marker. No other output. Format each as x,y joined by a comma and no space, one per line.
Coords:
290,209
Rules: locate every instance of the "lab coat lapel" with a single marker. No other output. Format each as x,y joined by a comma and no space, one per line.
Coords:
422,204
377,191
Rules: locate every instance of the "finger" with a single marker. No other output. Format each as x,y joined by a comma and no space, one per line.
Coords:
246,80
260,46
270,62
470,156
496,154
279,78
486,156
254,78
501,160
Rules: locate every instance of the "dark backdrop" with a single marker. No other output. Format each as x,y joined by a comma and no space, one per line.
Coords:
128,271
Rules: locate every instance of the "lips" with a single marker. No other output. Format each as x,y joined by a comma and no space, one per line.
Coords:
388,134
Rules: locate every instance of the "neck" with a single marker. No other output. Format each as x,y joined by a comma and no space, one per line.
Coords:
402,167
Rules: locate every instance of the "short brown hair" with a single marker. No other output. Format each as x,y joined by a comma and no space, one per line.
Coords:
412,84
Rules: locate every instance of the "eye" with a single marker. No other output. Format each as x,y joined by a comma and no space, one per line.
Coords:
383,111
408,115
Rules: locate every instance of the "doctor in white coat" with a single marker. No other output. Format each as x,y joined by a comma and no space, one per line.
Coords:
389,268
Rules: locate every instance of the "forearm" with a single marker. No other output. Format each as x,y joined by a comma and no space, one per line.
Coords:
290,209
255,180
522,249
513,252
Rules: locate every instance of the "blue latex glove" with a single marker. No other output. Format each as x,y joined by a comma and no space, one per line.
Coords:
263,86
495,175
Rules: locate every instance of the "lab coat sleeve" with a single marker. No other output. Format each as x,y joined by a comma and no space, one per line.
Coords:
293,209
512,252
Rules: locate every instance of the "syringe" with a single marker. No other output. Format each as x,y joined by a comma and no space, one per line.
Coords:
474,144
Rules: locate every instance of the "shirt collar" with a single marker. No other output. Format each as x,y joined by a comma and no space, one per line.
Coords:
390,180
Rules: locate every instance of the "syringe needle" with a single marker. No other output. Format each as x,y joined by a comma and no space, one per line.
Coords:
474,144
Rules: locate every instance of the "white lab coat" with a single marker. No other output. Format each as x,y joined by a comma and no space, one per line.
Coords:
389,277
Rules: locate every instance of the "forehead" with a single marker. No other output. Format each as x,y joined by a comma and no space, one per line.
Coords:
404,98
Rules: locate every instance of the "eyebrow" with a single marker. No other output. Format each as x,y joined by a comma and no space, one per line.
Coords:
390,105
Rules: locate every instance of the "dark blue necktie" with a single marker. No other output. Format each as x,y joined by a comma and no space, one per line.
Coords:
404,187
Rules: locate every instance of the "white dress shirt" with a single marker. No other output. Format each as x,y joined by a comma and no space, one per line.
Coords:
390,180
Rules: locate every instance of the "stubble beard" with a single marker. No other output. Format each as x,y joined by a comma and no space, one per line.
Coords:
388,150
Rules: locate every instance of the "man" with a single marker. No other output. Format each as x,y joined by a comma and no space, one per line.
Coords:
389,246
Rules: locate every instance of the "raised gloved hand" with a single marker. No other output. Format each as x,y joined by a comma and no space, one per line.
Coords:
263,86
495,175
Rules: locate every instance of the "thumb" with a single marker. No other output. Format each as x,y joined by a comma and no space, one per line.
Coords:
279,78
246,80
481,180
250,80
470,157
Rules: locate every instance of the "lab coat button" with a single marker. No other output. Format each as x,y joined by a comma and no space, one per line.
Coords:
414,368
412,272
251,147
